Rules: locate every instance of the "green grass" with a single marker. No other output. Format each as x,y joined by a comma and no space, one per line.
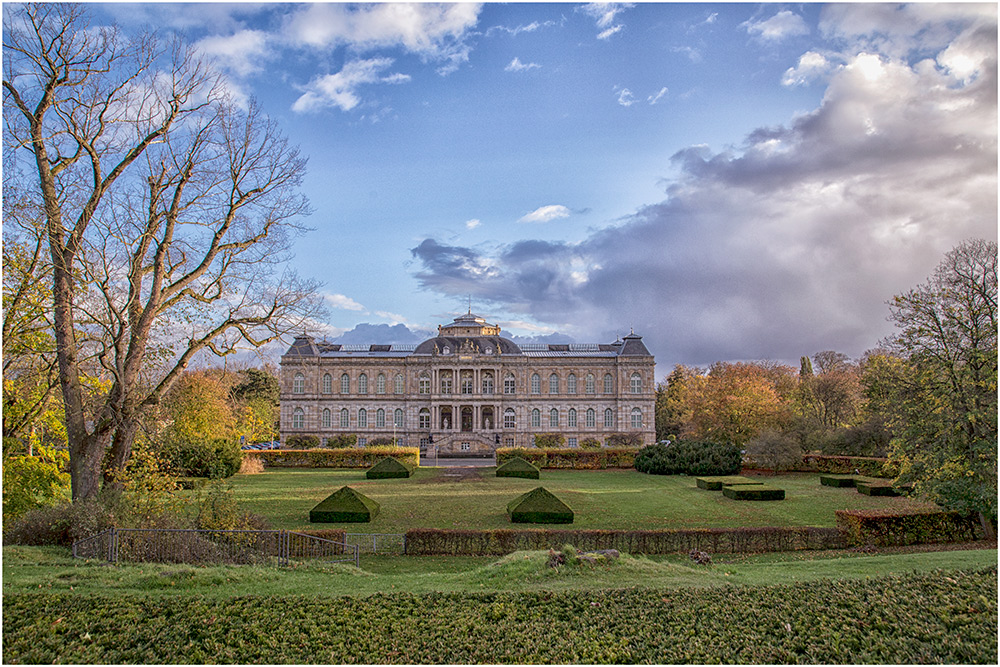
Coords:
53,570
602,499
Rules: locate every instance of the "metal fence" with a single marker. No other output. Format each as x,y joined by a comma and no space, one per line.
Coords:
232,547
378,543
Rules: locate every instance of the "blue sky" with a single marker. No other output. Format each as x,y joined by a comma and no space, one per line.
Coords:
738,181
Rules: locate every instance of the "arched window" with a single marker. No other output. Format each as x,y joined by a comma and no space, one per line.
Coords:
424,418
345,418
571,384
509,420
553,384
636,418
508,384
398,385
465,380
536,418
362,418
298,384
362,384
298,418
609,418
327,384
397,418
424,385
345,384
571,418
326,418
609,384
487,382
553,418
590,383
446,382
380,418
635,383
591,418
380,384
536,384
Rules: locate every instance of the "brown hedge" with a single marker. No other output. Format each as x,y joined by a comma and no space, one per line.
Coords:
337,458
573,459
433,542
846,465
879,528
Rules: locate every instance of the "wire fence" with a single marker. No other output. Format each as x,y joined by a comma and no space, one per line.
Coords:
378,543
222,547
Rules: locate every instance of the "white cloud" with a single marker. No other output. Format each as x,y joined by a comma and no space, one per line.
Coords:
241,53
472,224
811,66
517,66
604,14
653,99
625,97
340,89
546,214
781,25
343,302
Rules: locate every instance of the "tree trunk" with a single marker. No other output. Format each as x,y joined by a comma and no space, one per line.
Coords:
121,452
990,533
86,456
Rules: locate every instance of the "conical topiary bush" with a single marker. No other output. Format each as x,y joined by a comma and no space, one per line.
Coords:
344,506
517,467
388,468
539,506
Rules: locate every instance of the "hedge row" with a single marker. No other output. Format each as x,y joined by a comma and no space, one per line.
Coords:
336,458
433,542
925,618
847,465
576,459
864,527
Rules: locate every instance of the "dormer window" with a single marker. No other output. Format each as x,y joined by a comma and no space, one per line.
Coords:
446,350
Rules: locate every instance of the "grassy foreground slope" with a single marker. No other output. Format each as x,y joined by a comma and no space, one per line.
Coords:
936,617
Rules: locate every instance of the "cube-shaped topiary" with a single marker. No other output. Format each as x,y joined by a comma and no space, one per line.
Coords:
716,483
517,467
388,468
344,506
753,492
883,488
837,480
539,506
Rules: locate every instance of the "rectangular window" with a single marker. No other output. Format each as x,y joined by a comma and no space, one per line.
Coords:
425,420
508,442
465,446
466,385
362,441
425,386
445,385
487,385
508,385
572,442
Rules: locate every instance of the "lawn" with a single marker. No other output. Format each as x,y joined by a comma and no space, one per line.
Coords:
601,499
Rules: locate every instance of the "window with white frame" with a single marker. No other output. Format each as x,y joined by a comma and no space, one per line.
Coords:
488,383
362,441
590,383
571,442
609,418
424,418
380,384
509,419
397,418
635,383
571,418
465,380
571,384
536,384
362,418
298,418
553,418
362,384
446,382
609,384
636,418
398,385
536,418
424,385
327,384
345,384
327,422
298,384
591,418
509,384
553,384
345,418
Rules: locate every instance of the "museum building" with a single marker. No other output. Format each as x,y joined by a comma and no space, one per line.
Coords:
468,390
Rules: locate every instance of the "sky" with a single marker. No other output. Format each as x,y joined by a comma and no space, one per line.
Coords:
732,182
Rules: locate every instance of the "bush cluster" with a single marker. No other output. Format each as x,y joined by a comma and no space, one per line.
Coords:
689,457
215,459
337,458
879,528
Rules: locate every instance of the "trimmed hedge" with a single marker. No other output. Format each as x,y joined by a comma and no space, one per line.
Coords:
388,468
869,488
846,465
336,458
573,459
753,492
517,467
344,505
690,457
883,529
434,542
839,481
539,506
716,483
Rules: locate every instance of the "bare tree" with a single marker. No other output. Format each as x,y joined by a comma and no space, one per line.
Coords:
168,215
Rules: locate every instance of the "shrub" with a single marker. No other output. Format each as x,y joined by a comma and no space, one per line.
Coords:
590,443
847,465
219,510
753,492
689,457
251,465
631,439
539,506
840,481
381,442
880,528
388,468
30,482
772,450
549,440
575,459
716,483
216,459
337,458
344,506
870,488
342,440
302,441
517,467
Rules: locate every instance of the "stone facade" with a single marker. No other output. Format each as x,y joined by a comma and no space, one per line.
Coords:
468,390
